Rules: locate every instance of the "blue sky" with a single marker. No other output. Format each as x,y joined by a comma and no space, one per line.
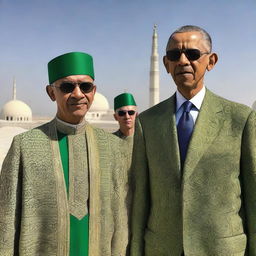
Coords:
118,34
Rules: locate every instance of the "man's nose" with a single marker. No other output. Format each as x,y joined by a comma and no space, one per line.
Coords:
127,115
77,93
183,59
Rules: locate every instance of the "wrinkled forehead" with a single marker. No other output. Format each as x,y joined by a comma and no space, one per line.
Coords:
130,107
193,39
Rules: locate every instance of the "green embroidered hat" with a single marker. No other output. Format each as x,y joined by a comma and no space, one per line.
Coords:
72,63
124,99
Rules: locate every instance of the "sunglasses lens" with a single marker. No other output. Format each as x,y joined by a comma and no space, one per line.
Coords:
173,55
121,113
192,54
131,112
86,87
67,87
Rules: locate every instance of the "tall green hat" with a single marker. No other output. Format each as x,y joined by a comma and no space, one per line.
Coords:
124,99
72,63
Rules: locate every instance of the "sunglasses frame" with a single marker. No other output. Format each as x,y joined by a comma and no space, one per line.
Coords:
187,52
63,90
130,112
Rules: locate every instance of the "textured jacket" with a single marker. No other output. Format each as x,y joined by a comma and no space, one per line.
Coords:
209,207
34,208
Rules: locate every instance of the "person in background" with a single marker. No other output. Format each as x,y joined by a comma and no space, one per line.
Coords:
125,114
64,185
194,163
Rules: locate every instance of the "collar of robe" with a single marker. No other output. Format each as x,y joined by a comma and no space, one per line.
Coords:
70,129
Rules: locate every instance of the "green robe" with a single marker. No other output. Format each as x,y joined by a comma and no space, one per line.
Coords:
34,206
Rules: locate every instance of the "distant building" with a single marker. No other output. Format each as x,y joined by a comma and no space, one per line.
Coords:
154,71
16,110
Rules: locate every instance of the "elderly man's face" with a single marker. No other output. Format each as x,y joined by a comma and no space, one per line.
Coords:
125,120
187,74
71,106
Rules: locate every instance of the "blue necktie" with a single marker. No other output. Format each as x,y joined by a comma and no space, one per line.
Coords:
185,129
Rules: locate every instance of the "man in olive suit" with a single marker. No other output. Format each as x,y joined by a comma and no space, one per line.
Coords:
194,164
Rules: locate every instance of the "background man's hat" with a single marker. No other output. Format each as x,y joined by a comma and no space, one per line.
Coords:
72,63
124,99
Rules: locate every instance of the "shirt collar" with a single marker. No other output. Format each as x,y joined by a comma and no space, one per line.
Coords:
197,100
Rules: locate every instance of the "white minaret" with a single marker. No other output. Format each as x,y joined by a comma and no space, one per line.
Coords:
14,89
154,72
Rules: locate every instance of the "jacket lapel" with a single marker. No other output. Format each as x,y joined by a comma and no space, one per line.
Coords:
168,136
208,124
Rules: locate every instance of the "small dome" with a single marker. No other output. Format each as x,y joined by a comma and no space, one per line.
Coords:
16,110
254,105
100,103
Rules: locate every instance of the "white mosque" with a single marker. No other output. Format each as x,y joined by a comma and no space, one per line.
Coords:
16,116
16,110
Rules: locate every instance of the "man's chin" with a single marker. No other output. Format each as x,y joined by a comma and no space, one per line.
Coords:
77,117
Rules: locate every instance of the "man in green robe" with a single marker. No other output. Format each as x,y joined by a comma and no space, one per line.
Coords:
64,185
125,114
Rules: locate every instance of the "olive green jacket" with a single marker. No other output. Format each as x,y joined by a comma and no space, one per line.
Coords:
209,207
34,208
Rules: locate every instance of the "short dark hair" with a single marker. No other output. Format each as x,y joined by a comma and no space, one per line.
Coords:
190,28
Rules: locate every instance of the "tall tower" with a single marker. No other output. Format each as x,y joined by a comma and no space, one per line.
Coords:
154,71
14,89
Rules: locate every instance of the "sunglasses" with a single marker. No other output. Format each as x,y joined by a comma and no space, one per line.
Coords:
123,112
191,54
68,87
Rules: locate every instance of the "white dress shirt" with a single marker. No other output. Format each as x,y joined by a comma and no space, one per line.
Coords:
197,101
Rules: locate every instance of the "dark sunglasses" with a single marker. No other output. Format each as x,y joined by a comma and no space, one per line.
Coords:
123,112
68,87
191,54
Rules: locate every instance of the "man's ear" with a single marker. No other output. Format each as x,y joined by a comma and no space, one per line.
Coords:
114,115
50,92
212,61
166,63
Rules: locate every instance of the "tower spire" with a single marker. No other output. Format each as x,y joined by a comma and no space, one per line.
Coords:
14,89
154,70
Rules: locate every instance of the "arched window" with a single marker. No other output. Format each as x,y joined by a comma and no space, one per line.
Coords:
11,118
7,118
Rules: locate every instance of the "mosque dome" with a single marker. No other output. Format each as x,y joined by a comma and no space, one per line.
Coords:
254,105
16,110
100,103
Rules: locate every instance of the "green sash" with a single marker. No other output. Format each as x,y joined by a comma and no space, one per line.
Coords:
79,229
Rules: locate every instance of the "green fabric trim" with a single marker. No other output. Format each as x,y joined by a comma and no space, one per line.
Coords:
63,144
73,63
124,99
79,229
